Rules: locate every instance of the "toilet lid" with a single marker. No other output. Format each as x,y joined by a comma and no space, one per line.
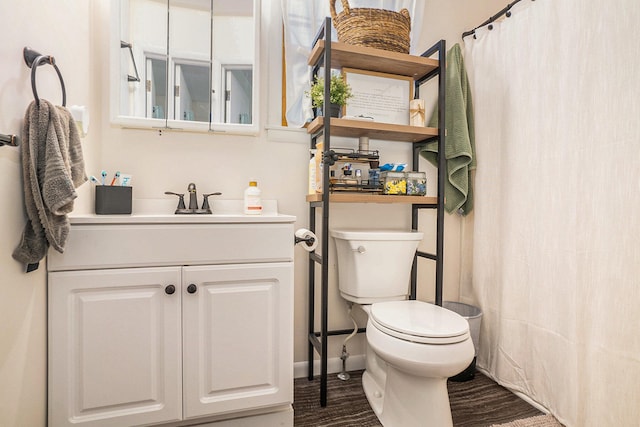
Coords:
419,321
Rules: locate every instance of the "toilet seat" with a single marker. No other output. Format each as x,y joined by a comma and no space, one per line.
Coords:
419,322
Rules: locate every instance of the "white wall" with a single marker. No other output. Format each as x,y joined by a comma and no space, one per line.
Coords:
76,33
60,29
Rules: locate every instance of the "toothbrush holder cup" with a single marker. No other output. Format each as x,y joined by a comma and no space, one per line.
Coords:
113,200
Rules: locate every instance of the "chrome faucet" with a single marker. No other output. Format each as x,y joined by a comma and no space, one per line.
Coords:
193,201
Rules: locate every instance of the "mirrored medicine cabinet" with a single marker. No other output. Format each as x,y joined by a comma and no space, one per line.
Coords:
185,64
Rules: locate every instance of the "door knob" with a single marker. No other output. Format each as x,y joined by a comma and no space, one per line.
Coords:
192,288
170,289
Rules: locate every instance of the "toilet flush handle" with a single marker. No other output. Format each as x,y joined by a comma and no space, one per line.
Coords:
361,249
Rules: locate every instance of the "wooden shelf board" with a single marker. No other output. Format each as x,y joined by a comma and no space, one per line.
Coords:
345,197
374,130
370,59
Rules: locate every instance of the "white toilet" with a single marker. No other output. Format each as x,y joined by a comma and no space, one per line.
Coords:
412,346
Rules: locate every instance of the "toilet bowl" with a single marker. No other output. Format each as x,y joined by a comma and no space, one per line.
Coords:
412,346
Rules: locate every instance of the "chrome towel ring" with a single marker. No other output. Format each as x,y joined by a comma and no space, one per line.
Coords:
34,59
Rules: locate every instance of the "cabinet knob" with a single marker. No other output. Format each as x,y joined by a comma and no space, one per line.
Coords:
192,288
170,289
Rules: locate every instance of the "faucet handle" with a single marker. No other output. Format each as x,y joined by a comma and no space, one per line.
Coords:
181,205
205,202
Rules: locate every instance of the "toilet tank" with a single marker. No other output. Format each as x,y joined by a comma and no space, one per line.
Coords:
375,265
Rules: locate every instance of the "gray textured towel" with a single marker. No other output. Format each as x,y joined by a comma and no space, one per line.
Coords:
52,168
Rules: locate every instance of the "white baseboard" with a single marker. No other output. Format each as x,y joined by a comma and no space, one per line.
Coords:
334,365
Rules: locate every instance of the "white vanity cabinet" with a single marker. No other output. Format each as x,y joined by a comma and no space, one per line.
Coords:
136,339
115,347
233,328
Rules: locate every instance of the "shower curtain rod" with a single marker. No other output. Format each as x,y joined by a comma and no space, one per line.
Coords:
506,11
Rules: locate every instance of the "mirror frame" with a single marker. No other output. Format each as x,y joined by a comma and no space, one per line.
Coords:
179,125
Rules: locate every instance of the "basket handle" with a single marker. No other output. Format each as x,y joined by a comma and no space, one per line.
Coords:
404,12
345,6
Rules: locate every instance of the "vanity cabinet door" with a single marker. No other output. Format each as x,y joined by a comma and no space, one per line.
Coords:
237,334
115,346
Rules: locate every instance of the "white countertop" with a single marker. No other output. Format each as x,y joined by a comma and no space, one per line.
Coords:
161,211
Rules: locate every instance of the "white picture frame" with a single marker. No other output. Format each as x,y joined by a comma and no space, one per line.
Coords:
377,96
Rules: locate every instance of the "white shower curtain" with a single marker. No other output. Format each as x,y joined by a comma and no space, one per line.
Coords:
556,228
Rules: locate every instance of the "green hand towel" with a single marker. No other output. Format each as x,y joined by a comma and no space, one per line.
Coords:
460,138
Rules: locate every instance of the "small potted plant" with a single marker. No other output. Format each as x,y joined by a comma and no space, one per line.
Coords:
340,92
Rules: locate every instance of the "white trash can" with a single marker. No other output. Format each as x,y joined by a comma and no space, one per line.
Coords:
474,317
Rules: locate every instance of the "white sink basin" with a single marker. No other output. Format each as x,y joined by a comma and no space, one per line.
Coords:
161,211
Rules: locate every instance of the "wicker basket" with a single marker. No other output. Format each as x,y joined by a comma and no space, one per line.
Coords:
378,28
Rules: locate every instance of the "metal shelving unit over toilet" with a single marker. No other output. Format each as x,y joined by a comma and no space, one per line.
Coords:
334,55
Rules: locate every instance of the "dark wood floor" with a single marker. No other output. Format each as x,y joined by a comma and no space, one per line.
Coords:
476,403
